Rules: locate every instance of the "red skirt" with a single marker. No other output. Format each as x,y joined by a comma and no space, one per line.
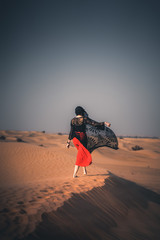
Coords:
84,158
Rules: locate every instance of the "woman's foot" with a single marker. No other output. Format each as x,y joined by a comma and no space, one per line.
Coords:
75,171
75,176
84,171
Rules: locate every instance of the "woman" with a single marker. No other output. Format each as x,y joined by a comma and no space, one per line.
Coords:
78,134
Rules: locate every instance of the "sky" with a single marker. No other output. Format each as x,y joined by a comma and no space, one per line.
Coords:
103,55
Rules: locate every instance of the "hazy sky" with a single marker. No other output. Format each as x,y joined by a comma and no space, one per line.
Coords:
102,55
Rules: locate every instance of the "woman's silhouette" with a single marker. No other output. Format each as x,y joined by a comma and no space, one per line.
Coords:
78,134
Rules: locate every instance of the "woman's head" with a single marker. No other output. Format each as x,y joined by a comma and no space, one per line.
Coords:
80,111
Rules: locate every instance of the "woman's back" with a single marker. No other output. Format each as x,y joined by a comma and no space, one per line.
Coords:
78,124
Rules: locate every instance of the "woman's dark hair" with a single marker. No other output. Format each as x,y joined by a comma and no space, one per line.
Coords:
80,111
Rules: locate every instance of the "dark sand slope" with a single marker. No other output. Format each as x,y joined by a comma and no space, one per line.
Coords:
120,210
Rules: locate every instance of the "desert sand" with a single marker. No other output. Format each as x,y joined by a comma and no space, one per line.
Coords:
118,199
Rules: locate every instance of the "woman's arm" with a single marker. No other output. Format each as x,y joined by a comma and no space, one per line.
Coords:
70,136
97,124
68,143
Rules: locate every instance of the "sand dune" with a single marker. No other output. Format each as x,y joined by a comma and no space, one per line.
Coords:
118,210
38,197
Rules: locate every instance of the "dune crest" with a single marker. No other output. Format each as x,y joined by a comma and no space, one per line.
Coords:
36,184
120,209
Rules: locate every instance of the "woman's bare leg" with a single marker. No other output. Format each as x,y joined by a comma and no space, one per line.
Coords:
76,168
85,170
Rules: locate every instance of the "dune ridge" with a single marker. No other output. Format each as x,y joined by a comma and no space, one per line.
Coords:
120,209
36,180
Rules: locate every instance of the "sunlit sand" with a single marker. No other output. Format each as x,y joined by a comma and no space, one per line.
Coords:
39,197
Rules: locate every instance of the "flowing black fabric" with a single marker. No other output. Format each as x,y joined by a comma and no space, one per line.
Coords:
98,135
78,124
99,138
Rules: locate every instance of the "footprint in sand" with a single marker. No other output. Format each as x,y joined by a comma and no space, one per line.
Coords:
20,202
33,200
43,190
51,188
66,183
58,192
22,211
4,210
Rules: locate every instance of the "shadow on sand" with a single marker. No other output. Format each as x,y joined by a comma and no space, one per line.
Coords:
120,210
